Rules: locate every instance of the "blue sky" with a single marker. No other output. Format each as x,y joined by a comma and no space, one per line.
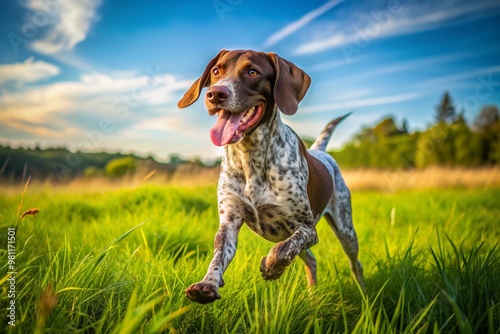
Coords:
106,75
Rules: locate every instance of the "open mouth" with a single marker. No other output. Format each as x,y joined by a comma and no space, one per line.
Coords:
230,127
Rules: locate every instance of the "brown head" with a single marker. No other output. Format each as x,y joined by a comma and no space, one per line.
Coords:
244,86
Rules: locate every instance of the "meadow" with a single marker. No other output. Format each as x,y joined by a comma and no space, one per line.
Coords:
116,259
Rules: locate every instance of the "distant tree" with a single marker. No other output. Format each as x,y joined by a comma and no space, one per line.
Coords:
494,149
460,118
487,123
488,116
405,128
467,145
387,127
176,160
91,171
120,166
449,145
198,161
365,135
445,111
435,147
151,158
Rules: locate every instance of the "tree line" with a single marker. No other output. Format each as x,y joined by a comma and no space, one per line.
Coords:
60,164
450,141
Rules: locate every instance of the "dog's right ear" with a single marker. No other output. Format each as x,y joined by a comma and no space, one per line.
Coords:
193,93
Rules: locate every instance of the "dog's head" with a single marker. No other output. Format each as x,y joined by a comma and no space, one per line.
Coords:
243,88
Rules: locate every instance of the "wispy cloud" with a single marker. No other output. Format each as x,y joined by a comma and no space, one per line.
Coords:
306,126
414,65
53,106
186,130
70,58
182,123
421,63
347,105
453,79
41,130
27,71
334,64
70,23
296,25
410,18
354,94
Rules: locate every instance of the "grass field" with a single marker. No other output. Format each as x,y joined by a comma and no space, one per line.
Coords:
119,260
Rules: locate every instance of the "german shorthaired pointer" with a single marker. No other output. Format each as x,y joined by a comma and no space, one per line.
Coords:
268,179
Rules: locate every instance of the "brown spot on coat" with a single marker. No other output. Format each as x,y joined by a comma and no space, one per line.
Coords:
320,183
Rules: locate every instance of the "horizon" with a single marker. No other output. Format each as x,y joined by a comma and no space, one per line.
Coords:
106,76
212,160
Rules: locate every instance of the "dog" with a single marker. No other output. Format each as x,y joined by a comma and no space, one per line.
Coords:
268,179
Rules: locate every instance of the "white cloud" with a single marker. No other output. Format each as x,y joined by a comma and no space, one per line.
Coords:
367,25
27,71
183,123
69,23
40,109
184,132
296,25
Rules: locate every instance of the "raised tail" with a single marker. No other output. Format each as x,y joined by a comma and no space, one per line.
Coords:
322,141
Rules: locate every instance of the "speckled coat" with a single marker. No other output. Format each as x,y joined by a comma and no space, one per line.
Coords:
270,181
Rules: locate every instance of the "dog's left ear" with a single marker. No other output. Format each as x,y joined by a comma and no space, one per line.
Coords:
290,86
193,93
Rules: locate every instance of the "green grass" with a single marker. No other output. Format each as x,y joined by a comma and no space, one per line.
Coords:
119,262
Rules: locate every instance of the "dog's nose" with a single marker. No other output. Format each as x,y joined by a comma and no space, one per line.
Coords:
217,94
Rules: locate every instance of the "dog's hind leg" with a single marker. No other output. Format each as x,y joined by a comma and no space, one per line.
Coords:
339,217
310,265
348,239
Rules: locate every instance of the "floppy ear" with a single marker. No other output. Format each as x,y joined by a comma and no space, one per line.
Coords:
193,92
290,86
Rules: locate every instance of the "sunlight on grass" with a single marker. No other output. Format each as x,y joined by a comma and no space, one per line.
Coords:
119,261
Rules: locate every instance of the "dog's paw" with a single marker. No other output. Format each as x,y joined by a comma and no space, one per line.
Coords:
202,293
272,268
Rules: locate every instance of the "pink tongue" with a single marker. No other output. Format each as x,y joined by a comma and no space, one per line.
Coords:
224,129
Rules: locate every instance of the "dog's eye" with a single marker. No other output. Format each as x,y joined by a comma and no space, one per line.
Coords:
215,71
252,73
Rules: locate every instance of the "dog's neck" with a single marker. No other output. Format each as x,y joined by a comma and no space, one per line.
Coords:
254,151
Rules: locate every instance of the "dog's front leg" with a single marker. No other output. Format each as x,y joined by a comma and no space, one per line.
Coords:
283,253
225,242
